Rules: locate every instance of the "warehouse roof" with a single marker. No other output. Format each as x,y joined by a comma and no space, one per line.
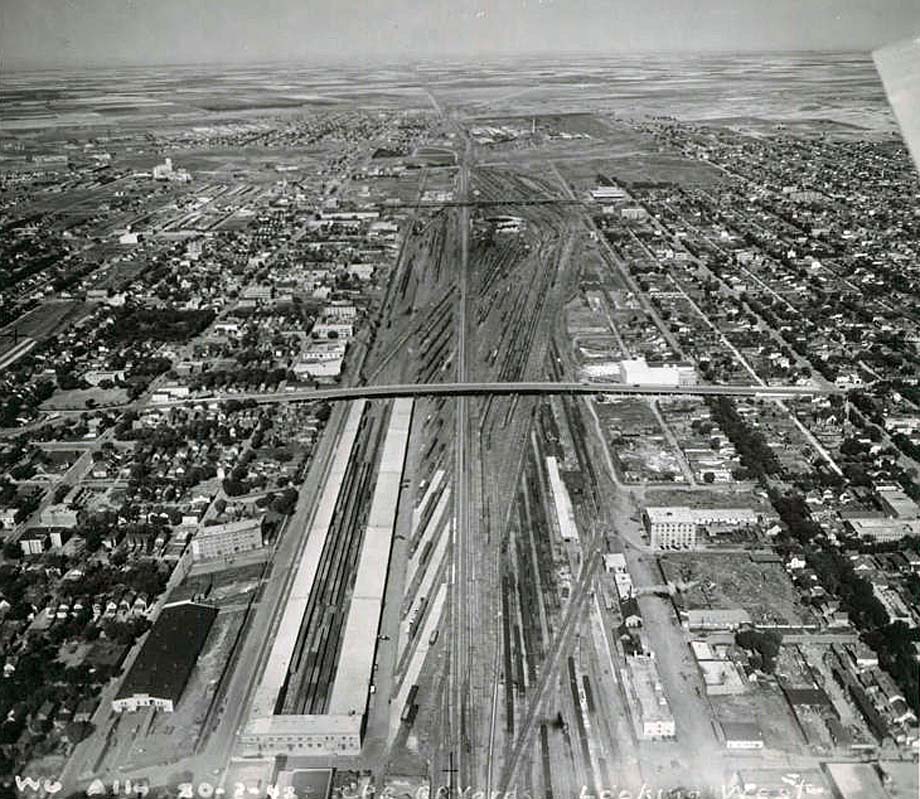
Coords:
170,652
741,731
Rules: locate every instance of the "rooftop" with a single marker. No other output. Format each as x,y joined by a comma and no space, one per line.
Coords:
170,652
741,731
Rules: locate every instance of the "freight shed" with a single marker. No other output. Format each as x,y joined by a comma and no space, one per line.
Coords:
279,659
339,729
166,660
352,684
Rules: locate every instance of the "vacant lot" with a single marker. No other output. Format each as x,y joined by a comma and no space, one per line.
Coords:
225,587
77,398
735,581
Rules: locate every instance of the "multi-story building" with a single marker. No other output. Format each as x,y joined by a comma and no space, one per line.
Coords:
333,329
676,527
224,540
669,528
341,310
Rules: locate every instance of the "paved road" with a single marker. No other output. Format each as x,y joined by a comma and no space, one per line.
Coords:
500,389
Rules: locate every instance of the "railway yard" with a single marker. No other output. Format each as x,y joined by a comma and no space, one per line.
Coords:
465,595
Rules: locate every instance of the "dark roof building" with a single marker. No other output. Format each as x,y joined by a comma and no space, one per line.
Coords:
742,735
165,662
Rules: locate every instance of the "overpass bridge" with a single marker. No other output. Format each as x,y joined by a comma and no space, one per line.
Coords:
504,389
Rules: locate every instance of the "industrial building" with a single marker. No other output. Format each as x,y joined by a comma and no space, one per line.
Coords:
676,527
896,503
267,732
855,781
60,516
565,513
615,565
33,543
651,713
338,730
607,194
882,529
635,371
715,618
351,688
741,735
166,660
226,540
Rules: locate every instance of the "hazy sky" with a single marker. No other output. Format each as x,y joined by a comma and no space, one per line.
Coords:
69,32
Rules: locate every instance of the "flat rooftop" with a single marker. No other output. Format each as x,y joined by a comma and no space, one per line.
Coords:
652,701
170,652
351,687
315,724
279,659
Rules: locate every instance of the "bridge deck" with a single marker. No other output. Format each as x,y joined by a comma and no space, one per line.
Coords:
494,389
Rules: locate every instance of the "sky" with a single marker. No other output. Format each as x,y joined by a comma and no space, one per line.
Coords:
47,33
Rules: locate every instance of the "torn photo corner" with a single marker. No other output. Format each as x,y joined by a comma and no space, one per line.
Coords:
898,65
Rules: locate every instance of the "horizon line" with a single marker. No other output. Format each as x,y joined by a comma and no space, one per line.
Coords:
410,59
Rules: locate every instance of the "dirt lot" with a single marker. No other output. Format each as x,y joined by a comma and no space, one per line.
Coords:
637,442
733,580
734,497
220,588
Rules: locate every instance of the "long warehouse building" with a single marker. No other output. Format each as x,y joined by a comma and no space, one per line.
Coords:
351,688
265,729
340,729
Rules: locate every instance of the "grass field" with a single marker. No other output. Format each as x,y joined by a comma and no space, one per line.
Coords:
78,398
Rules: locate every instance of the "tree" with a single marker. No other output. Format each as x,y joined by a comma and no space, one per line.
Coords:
79,730
284,502
11,549
709,477
766,645
322,412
